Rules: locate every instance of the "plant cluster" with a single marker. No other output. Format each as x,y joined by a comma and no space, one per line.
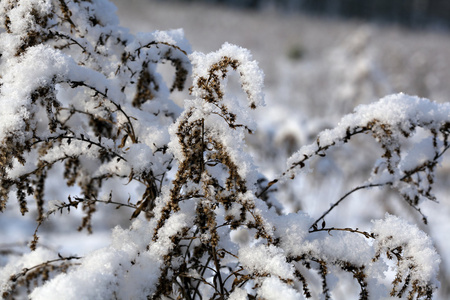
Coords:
80,93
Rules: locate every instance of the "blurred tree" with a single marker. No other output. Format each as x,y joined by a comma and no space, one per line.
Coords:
411,13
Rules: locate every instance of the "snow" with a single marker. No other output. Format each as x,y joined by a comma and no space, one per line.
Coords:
17,264
130,266
419,256
251,76
272,288
266,259
39,67
238,294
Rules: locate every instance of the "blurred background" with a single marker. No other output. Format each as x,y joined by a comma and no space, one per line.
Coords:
412,13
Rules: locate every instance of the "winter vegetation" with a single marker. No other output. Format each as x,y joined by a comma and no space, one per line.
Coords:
203,201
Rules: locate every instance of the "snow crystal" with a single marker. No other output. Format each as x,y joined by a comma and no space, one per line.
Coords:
266,259
293,229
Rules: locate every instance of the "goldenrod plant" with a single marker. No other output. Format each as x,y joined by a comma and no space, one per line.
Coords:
81,95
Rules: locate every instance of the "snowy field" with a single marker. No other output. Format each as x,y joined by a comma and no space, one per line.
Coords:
316,71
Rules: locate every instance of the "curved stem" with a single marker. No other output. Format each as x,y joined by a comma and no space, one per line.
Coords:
365,233
342,199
